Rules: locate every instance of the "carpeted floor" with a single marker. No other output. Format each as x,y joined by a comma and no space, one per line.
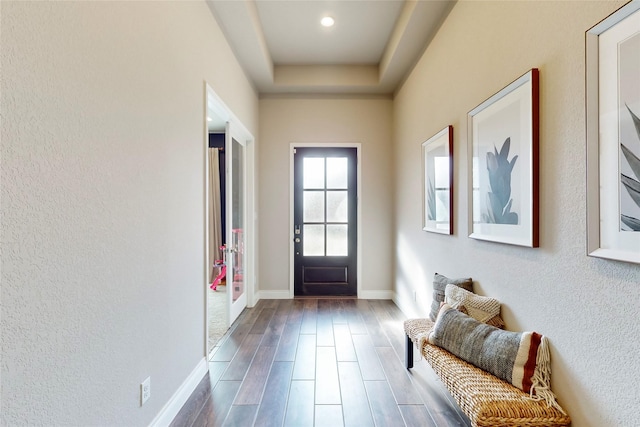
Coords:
216,301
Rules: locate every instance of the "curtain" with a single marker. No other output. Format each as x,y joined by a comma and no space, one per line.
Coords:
215,215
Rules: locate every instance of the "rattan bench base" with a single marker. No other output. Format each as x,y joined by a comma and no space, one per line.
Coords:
484,398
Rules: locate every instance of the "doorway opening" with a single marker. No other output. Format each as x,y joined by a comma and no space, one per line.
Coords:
216,292
229,229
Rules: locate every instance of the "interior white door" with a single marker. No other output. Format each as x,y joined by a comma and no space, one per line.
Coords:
236,224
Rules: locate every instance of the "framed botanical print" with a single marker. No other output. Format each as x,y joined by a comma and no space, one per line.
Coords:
613,136
437,182
503,146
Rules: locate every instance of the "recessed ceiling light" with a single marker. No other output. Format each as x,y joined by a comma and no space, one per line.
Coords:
327,21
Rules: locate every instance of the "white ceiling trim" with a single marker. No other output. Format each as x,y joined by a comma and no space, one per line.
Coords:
412,30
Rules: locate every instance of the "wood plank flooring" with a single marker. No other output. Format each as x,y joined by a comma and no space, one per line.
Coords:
318,362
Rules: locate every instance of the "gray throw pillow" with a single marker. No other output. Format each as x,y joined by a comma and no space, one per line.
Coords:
440,282
519,358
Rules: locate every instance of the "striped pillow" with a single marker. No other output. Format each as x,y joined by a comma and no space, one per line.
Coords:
519,358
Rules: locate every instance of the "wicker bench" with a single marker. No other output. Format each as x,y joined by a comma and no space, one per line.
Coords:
485,399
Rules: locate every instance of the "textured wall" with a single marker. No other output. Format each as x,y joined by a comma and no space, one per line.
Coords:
587,307
283,121
102,203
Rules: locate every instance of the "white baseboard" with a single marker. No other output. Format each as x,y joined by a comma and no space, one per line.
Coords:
173,406
273,295
375,294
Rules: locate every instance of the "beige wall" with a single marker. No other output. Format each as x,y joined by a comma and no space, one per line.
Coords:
587,307
365,121
102,203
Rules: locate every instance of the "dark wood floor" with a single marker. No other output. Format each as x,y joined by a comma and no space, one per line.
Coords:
318,362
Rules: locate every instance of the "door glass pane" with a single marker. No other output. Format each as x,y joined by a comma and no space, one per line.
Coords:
337,243
337,206
337,169
237,220
313,172
313,242
313,206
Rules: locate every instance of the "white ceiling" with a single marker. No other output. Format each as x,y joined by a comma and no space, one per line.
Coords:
371,48
294,35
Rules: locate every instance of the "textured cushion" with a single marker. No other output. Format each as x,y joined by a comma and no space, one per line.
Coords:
483,309
520,358
440,282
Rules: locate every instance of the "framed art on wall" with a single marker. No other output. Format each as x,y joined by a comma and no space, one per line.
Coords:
437,182
503,151
613,135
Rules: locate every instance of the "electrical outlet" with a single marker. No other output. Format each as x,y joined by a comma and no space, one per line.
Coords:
145,391
415,296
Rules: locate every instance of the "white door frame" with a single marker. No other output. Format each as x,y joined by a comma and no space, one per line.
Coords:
215,103
292,147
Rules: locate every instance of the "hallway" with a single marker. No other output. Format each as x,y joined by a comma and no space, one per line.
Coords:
318,362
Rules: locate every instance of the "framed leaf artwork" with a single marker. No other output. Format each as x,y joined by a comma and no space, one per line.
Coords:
437,182
503,151
613,135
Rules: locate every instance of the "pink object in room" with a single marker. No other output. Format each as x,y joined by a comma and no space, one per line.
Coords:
222,273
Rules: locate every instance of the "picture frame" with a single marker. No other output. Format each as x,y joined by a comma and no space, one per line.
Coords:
437,182
613,135
503,138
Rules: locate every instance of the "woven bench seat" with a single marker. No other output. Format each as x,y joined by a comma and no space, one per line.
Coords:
485,399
